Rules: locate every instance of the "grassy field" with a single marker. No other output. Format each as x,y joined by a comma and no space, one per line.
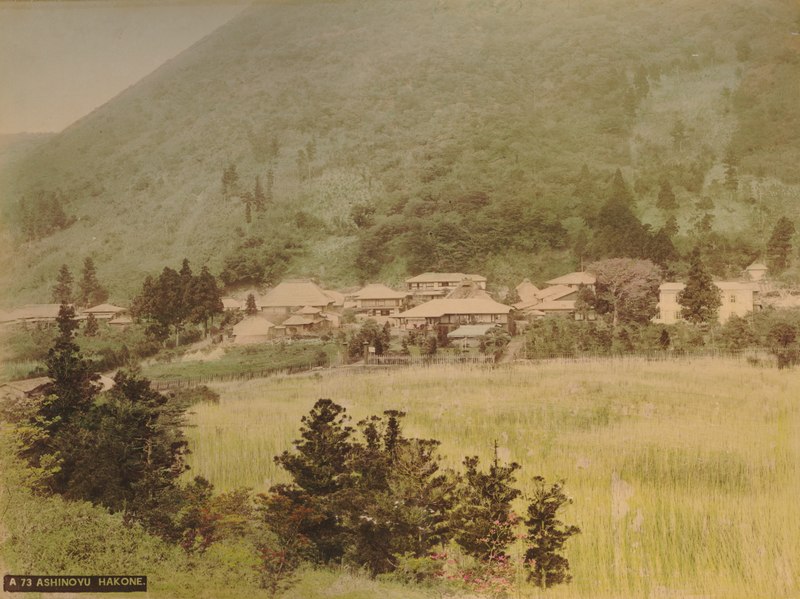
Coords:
684,474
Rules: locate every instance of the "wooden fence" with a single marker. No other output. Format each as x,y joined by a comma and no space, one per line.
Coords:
434,360
752,356
184,383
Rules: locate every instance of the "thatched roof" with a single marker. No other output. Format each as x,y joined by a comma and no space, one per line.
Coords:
527,291
296,294
252,326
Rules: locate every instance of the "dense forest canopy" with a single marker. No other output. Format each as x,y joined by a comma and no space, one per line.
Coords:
358,141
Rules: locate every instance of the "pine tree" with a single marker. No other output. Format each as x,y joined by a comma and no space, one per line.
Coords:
47,440
618,232
671,226
618,189
318,468
482,520
660,248
90,291
186,290
204,299
162,301
396,499
700,299
91,328
779,247
250,307
62,292
136,461
666,197
230,181
547,535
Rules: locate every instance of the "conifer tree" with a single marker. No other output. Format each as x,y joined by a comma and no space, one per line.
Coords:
779,247
700,299
230,181
318,468
618,189
250,307
731,164
91,328
203,299
547,535
666,197
482,520
48,439
90,291
62,291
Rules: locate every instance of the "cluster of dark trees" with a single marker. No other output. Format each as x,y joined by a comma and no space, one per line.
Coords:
125,453
90,291
42,215
372,497
371,334
368,496
445,232
256,261
175,298
257,198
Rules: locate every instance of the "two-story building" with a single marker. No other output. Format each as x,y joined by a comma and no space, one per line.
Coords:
452,313
738,297
436,285
377,299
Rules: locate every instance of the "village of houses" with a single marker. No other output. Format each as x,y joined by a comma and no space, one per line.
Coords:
456,302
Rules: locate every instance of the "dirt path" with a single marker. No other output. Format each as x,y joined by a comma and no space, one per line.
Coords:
512,349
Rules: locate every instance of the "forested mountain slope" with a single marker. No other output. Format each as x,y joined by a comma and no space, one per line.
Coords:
368,139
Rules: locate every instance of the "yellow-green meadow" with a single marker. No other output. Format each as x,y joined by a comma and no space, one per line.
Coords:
684,473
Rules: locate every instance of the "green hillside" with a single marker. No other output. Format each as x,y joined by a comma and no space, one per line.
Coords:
391,137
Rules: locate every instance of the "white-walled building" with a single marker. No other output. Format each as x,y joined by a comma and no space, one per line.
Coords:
738,297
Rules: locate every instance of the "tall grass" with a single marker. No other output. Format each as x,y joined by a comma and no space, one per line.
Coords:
684,474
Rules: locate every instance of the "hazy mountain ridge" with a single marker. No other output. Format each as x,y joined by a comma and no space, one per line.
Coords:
400,101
